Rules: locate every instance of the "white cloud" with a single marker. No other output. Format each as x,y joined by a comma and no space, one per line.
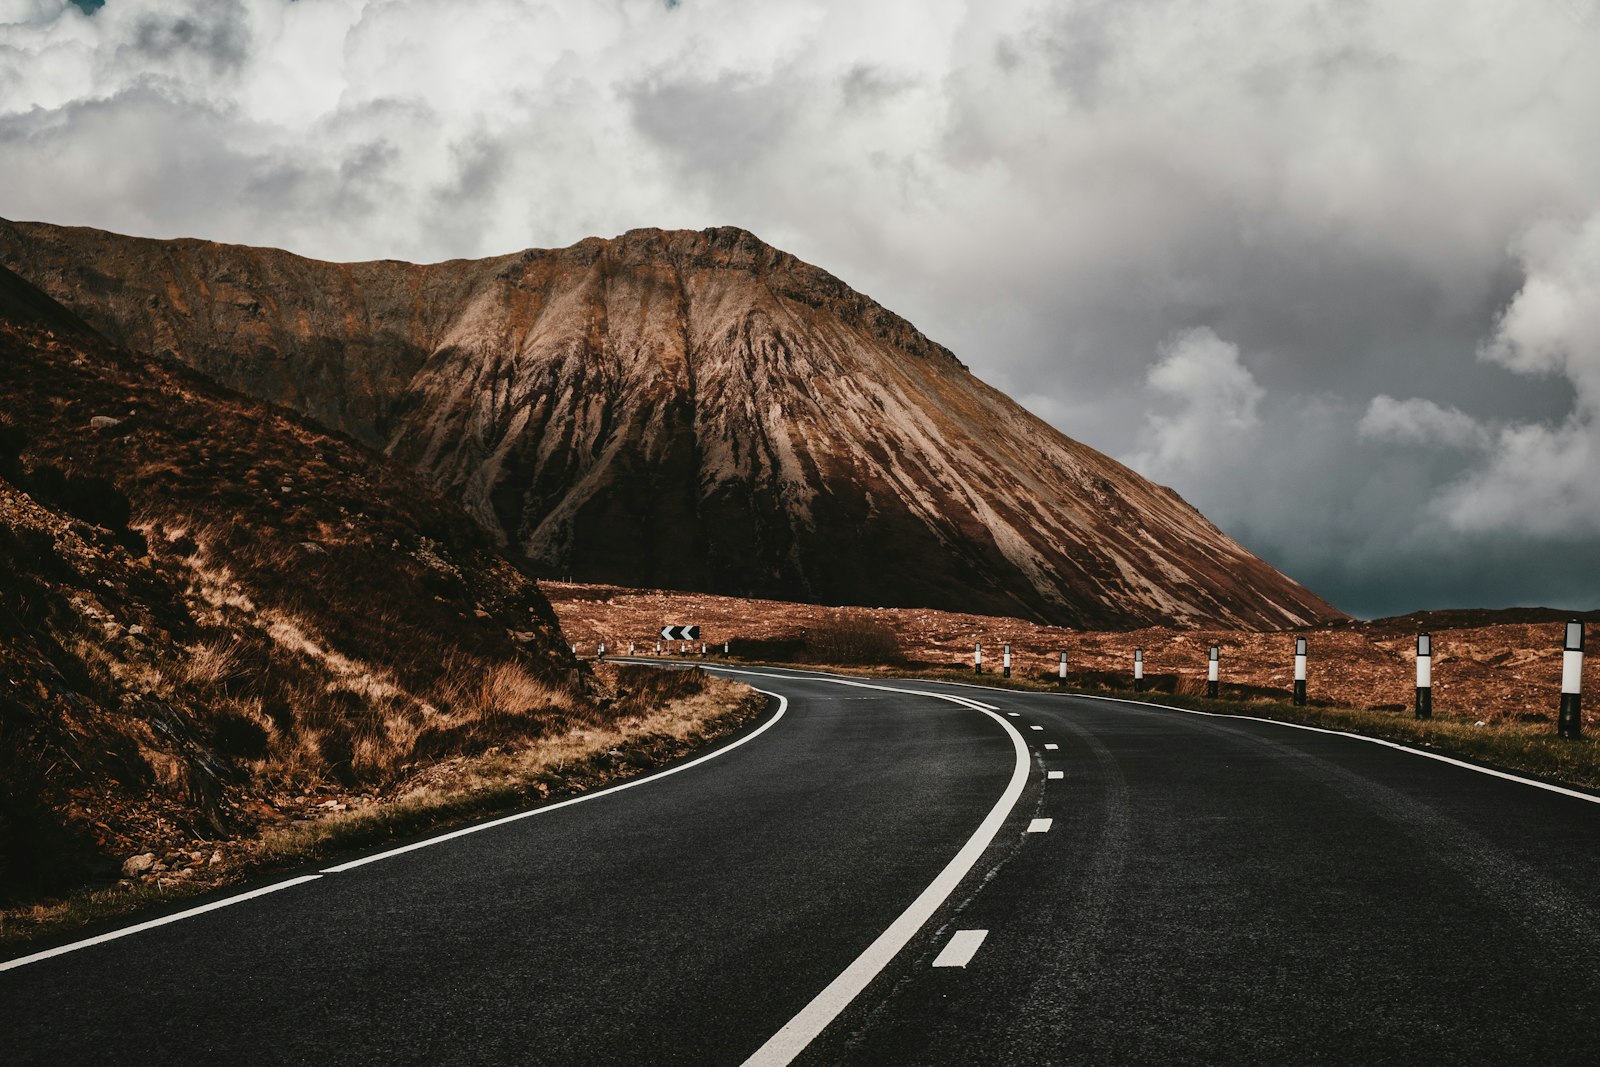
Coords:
1216,397
1544,478
1420,422
1552,326
1540,480
1534,479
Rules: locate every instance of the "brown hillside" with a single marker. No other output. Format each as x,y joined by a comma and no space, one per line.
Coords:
211,609
682,409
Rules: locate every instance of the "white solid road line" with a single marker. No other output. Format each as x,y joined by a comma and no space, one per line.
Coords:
1490,771
1040,826
1051,747
1056,774
783,1046
153,923
962,947
783,705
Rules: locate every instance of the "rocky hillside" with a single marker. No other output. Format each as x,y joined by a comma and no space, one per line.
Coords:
211,608
690,410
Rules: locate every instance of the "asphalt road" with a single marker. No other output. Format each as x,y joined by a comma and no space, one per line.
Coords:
1208,890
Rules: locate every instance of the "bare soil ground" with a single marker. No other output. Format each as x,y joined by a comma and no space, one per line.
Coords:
1489,666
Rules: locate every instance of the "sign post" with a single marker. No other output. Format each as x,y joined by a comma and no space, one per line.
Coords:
1424,676
1570,723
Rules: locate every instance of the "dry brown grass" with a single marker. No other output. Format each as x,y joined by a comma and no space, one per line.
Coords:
654,716
212,663
657,716
1491,665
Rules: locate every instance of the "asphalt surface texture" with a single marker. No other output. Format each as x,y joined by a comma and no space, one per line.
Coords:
1209,890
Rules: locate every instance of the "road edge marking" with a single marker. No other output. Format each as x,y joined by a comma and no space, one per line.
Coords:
1385,742
582,798
151,924
1509,776
112,935
782,1047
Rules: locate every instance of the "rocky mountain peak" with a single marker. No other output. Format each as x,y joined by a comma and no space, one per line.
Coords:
682,409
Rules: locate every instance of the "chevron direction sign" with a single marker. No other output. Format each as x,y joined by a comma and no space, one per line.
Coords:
680,633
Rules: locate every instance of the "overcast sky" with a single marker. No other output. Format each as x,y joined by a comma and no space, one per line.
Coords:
1331,270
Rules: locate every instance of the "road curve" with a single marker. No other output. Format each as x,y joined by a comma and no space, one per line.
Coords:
685,920
1168,888
1219,890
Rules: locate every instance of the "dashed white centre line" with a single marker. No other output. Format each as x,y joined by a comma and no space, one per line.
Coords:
1014,714
1036,727
1040,826
1051,747
1056,774
962,947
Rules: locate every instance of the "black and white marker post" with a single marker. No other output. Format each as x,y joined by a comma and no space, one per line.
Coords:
1005,661
1570,724
1061,671
601,654
977,658
1138,670
1424,676
1212,684
1299,672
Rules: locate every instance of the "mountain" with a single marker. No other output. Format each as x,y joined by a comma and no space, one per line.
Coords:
690,410
209,605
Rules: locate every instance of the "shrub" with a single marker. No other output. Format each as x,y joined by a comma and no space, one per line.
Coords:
641,690
490,704
844,638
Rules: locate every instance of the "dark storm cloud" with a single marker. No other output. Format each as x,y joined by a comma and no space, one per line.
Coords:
216,34
1327,269
718,126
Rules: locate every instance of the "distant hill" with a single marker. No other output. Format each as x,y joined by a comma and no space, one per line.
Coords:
690,410
1472,618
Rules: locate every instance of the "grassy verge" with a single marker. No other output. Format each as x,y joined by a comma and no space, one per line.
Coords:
1527,748
446,795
